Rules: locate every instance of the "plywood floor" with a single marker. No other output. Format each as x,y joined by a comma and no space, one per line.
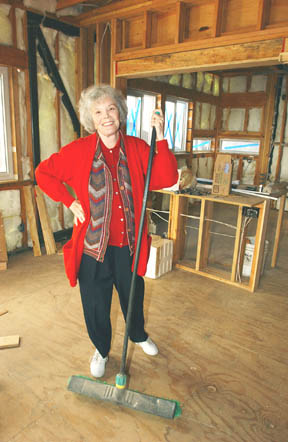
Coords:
223,355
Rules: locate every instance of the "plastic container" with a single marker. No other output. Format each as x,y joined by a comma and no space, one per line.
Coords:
248,256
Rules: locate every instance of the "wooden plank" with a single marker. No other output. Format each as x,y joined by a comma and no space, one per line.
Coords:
200,241
62,4
147,29
259,244
103,49
268,126
31,216
206,233
9,341
15,116
214,274
236,253
180,22
13,57
48,236
248,99
176,224
216,30
263,53
278,230
3,247
3,312
282,134
263,9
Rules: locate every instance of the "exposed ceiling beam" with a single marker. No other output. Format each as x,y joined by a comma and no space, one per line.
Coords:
62,4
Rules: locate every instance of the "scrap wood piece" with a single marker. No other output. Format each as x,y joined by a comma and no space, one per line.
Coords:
31,216
3,312
9,341
48,236
3,247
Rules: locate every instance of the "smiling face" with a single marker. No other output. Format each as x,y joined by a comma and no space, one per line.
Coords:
106,117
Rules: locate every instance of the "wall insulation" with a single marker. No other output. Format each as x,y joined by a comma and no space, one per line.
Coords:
10,207
48,114
5,26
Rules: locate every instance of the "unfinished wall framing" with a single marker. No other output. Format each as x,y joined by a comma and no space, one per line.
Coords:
55,128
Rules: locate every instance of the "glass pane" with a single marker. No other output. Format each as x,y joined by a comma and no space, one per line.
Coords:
133,116
181,124
240,146
169,123
201,144
148,105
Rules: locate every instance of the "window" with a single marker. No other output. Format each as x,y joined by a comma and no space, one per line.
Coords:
202,144
250,147
140,108
176,112
6,162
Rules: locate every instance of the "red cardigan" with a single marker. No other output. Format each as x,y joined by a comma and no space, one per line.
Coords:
72,165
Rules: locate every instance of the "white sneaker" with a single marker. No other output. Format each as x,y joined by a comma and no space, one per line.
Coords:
97,365
149,347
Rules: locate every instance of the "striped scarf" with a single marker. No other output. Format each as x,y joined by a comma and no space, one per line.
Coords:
100,196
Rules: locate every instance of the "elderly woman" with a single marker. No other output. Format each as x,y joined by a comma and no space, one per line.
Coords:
106,170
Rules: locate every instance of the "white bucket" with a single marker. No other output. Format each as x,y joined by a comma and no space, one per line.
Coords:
248,256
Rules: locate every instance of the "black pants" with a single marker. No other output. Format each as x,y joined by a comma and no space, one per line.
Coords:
96,282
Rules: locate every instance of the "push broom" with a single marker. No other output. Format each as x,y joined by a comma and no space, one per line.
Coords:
118,393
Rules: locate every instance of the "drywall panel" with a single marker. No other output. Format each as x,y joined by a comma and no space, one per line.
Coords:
11,209
5,26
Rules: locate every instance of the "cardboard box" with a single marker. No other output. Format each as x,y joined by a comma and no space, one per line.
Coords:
222,175
161,256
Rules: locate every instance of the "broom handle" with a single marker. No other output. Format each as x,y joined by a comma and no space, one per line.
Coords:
137,253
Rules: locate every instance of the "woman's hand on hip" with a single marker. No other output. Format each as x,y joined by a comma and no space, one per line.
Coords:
77,211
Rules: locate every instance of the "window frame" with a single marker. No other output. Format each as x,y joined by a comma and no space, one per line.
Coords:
176,100
6,150
141,94
239,152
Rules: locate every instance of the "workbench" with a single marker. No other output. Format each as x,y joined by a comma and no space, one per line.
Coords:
176,232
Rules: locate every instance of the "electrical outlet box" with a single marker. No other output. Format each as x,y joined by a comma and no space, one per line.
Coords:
250,212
